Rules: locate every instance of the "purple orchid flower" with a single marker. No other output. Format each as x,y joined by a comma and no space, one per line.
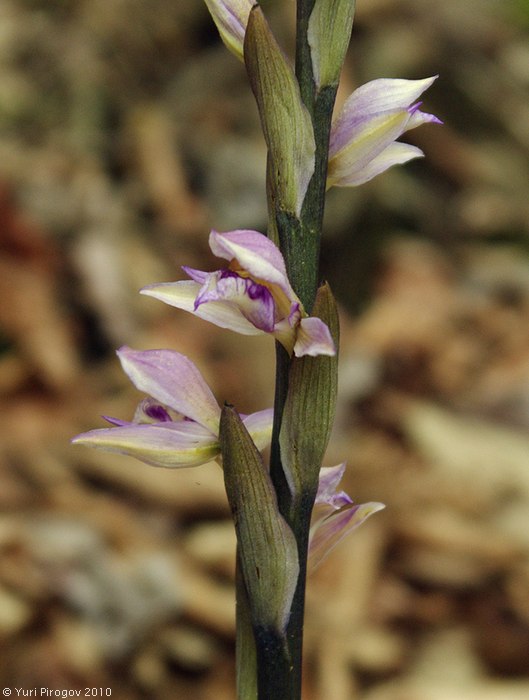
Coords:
334,515
178,425
251,296
363,136
362,143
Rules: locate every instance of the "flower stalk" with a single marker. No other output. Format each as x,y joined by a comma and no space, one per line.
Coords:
299,241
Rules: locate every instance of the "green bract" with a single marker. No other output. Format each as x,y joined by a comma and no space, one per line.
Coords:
286,122
266,545
310,406
329,32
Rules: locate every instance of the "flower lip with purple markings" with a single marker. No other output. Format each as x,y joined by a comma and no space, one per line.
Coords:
363,135
335,515
178,425
251,296
158,413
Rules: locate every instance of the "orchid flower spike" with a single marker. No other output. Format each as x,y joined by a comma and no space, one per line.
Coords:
178,425
231,18
334,515
252,295
362,143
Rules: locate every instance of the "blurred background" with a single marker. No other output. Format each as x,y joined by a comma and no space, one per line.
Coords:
127,131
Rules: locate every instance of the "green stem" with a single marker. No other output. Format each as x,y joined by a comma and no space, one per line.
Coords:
276,675
300,526
245,654
303,57
299,241
264,666
277,473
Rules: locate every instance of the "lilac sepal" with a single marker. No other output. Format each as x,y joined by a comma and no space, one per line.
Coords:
371,119
171,444
251,296
158,444
231,18
335,515
173,380
331,530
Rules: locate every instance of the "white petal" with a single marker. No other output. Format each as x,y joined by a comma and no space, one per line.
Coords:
395,154
259,425
255,253
313,338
